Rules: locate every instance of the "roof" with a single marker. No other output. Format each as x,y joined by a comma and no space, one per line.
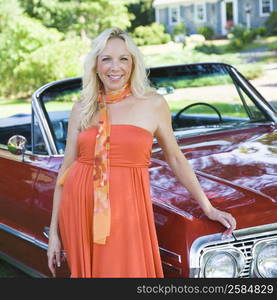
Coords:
178,2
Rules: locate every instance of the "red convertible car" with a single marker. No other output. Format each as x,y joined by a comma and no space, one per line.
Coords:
224,127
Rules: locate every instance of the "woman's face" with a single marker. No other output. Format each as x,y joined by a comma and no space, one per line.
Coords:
114,65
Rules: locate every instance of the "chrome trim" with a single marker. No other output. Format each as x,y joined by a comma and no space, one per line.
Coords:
238,236
23,236
236,255
46,232
256,231
254,267
198,245
171,268
247,86
171,254
21,266
44,127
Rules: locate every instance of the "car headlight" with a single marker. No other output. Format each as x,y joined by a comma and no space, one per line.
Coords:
265,253
226,263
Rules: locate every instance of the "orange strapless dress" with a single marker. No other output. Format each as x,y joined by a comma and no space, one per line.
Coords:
132,248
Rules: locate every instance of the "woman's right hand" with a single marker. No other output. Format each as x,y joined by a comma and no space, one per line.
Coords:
54,253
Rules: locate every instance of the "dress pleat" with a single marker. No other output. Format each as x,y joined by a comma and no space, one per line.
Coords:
132,249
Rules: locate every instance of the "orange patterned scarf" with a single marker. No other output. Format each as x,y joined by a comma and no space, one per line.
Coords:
102,212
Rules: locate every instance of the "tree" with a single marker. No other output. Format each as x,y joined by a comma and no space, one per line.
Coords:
144,13
83,17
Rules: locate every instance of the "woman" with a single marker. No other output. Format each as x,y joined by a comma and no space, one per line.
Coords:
102,207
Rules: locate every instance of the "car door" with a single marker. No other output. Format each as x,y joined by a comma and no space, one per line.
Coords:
18,175
52,113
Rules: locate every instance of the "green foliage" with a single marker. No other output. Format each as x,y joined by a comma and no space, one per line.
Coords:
83,17
39,43
273,47
240,36
151,35
271,23
208,49
261,31
18,39
206,31
48,63
144,13
179,29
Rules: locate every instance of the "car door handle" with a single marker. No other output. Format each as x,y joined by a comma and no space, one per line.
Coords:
46,231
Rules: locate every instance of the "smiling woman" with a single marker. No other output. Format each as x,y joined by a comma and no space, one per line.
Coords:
102,210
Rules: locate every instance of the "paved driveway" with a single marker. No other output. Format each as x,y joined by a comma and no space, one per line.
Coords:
267,85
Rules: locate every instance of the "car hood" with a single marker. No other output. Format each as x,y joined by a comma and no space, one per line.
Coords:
237,171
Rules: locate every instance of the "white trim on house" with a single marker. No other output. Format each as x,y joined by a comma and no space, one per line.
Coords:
179,2
171,8
261,4
157,14
223,14
168,2
196,14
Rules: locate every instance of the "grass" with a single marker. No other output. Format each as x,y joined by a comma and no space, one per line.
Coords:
175,53
8,108
224,108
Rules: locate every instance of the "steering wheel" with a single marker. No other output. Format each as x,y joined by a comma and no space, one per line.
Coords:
177,116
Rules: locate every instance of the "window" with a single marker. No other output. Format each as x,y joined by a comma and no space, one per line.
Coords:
39,146
15,122
265,7
200,12
174,15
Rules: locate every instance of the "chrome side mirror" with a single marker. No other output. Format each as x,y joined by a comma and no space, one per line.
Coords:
17,144
165,90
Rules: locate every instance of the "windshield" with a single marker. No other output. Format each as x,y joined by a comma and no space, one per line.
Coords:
201,95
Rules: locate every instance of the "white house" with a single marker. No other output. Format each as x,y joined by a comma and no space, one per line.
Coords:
218,14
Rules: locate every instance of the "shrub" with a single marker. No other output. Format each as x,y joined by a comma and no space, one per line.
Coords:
261,31
179,29
240,36
206,31
208,49
153,34
271,23
17,42
51,62
272,47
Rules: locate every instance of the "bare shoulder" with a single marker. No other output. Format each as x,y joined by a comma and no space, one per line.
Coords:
155,99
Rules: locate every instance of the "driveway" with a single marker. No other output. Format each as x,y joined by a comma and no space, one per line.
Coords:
267,84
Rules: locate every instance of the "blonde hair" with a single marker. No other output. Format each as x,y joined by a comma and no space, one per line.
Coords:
139,82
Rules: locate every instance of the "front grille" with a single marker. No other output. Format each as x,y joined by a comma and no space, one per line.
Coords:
245,245
242,239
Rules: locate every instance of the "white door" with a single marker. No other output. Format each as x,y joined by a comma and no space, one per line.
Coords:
229,14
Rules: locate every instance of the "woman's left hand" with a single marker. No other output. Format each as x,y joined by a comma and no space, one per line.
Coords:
224,218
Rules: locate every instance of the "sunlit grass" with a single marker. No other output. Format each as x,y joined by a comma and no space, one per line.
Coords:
13,108
8,108
225,109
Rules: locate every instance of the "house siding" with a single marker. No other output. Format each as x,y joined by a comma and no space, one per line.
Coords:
213,15
256,20
218,18
163,16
